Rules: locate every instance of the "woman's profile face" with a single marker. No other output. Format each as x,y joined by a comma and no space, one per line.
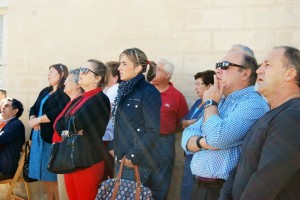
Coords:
127,69
87,77
70,85
200,87
53,77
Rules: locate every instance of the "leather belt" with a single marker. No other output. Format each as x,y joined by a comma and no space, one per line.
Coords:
208,182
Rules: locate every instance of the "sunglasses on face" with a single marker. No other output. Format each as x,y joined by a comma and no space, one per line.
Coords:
225,65
85,71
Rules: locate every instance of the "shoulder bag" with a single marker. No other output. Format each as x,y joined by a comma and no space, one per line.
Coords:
72,153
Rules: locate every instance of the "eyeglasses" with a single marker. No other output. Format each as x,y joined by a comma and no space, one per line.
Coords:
85,71
225,65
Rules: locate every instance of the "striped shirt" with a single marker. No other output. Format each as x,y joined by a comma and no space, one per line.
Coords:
225,131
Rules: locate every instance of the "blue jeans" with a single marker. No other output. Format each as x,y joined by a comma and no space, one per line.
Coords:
160,177
187,179
128,173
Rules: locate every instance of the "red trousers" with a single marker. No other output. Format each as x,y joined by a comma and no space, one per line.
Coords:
83,184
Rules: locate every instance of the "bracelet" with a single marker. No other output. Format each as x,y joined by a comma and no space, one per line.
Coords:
198,142
39,120
32,117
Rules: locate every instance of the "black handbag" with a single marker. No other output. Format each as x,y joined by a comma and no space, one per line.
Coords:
26,164
71,154
123,189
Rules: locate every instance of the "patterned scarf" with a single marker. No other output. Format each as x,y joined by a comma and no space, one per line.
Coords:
124,88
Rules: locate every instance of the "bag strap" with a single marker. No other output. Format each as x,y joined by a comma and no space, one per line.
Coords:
118,180
71,125
27,150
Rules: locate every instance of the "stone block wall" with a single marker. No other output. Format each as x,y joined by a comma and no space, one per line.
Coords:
192,34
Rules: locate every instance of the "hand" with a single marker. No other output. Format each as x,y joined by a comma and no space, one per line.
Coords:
186,123
215,92
112,153
128,164
80,132
37,127
33,122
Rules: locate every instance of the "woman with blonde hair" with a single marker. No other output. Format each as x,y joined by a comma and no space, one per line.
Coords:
136,115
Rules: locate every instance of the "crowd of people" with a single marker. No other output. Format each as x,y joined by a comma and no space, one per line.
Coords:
240,137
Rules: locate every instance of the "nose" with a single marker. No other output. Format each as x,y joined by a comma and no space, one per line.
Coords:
218,70
260,69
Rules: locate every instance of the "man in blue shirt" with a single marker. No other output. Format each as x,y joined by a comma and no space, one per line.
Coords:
231,107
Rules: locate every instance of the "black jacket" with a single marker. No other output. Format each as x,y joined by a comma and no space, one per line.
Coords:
269,166
12,138
92,118
137,125
52,107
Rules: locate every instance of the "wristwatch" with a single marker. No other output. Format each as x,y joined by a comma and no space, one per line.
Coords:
210,103
198,142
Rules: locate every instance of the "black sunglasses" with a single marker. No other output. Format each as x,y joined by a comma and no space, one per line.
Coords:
85,71
225,65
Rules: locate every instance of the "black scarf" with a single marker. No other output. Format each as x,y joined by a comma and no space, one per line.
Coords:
124,88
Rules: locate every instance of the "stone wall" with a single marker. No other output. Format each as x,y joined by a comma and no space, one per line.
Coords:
192,34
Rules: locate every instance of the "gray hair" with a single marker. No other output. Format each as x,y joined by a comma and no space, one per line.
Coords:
168,67
75,74
245,49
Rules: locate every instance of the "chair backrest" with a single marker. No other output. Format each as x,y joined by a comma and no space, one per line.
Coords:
17,178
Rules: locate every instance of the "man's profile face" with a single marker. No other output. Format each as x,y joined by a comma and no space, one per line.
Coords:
2,95
271,74
160,75
7,110
231,77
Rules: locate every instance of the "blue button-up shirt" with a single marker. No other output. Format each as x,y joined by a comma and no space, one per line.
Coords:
225,131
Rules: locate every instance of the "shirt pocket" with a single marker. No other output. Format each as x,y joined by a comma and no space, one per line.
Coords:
133,108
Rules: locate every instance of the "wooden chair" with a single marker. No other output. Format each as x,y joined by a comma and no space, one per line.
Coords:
17,178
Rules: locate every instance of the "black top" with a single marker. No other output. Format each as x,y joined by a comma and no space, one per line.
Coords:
12,138
92,118
52,107
269,167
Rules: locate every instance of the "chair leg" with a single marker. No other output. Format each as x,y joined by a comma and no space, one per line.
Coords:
27,191
16,197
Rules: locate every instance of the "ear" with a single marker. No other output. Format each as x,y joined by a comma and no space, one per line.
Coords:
208,86
291,74
246,74
98,78
115,78
138,69
15,111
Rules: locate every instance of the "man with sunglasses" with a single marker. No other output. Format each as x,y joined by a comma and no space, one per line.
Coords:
269,167
231,107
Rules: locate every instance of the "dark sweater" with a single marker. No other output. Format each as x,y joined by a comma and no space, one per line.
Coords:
52,107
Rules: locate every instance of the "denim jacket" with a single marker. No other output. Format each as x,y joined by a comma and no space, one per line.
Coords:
137,125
